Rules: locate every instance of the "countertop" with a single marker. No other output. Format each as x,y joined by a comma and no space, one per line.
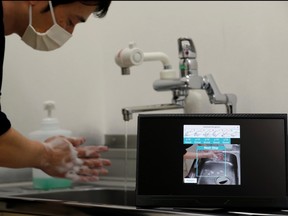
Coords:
35,206
41,207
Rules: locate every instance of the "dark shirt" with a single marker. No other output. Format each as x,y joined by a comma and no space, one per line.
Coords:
4,122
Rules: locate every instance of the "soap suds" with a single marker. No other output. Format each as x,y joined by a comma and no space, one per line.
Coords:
73,176
71,166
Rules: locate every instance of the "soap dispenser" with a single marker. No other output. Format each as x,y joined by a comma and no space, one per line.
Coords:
49,127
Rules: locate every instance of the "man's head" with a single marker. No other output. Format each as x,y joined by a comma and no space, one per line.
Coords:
68,13
51,23
101,6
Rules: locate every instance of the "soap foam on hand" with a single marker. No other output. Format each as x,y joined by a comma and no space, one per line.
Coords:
91,151
74,164
89,170
64,151
70,165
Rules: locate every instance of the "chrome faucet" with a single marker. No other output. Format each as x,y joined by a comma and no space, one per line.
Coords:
181,85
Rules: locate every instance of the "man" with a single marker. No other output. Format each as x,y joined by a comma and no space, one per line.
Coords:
45,26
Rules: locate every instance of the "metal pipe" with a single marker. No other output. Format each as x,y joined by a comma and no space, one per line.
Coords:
128,111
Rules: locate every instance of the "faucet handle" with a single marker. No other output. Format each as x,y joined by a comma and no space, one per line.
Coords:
186,48
128,57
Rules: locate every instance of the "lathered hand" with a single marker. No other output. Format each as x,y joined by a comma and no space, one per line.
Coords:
66,158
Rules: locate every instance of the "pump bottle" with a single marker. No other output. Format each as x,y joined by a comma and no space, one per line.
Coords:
49,127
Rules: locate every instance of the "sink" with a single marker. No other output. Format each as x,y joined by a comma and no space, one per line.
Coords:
215,171
109,196
88,201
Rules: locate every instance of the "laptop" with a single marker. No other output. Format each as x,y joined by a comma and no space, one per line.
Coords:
212,161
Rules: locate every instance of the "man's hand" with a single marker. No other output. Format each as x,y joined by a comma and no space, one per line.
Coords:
66,158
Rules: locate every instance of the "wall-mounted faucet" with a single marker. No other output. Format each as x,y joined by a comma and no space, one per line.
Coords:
169,81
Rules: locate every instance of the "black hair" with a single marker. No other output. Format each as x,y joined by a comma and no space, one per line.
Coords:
101,10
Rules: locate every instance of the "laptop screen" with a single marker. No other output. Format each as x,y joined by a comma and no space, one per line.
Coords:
212,160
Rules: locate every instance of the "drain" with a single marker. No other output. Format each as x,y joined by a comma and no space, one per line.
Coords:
223,180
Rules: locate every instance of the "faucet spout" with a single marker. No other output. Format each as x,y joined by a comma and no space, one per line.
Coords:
128,111
216,97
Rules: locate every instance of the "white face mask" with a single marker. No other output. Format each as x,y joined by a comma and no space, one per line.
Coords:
52,39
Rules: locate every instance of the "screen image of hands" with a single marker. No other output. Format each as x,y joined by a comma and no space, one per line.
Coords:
204,154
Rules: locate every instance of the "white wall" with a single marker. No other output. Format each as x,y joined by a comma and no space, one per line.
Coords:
242,44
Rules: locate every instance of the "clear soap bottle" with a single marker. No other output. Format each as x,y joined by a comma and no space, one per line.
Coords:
49,127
